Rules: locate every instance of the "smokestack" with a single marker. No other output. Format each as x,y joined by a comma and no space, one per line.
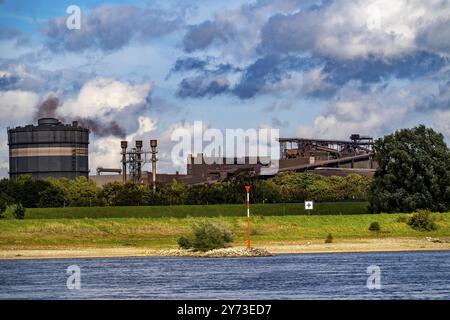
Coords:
153,145
139,159
124,145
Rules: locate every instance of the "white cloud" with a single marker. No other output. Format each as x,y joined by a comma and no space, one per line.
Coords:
16,108
17,105
104,152
101,96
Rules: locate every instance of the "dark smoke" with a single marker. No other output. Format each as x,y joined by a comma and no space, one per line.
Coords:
47,109
111,128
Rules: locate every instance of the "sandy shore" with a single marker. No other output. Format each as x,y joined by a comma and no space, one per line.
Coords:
353,245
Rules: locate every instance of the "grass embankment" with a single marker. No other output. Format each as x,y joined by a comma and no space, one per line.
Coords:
163,232
229,210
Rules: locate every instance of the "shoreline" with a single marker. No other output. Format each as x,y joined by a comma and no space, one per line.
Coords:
301,247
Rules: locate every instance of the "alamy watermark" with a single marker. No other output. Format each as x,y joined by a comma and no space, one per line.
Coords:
374,279
74,280
236,146
73,21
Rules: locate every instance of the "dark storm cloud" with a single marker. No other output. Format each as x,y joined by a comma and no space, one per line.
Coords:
201,36
290,33
269,69
210,79
372,70
189,63
110,28
206,66
202,86
239,24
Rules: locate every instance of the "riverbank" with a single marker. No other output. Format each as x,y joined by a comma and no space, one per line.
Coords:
292,247
122,237
163,232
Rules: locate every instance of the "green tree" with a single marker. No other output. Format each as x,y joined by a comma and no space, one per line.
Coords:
83,192
413,173
28,190
51,197
110,192
131,194
177,192
355,186
292,186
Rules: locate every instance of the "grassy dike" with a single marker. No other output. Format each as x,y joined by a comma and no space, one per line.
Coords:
157,232
181,211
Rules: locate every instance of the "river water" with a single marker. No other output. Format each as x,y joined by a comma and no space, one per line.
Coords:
402,275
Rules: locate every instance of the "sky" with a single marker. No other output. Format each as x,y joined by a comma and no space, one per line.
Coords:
141,69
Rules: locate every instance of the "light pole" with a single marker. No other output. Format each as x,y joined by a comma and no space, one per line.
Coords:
247,188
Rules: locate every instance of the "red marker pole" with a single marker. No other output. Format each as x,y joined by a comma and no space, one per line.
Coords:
247,188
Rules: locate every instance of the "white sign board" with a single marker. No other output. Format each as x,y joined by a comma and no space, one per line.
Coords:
309,205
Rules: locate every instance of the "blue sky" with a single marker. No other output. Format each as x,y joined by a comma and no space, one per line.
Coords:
140,69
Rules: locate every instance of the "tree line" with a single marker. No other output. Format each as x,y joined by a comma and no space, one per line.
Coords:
81,192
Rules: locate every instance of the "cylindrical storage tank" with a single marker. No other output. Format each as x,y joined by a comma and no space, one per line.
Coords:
50,149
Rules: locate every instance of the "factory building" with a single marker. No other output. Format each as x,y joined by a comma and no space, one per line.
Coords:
49,149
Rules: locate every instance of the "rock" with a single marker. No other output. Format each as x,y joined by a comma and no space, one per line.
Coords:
216,253
436,240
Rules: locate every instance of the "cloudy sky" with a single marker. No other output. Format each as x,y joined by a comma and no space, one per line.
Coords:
140,69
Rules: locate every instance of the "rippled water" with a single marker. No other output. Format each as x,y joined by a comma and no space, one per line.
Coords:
404,275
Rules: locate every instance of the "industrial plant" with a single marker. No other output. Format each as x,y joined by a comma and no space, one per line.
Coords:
54,149
325,157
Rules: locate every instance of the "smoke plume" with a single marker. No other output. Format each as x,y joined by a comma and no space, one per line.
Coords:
48,109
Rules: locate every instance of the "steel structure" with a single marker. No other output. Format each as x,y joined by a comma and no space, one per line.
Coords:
322,149
108,170
135,158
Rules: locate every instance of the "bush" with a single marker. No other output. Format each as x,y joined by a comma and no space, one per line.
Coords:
19,212
422,220
374,226
184,243
329,238
211,235
15,211
3,206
